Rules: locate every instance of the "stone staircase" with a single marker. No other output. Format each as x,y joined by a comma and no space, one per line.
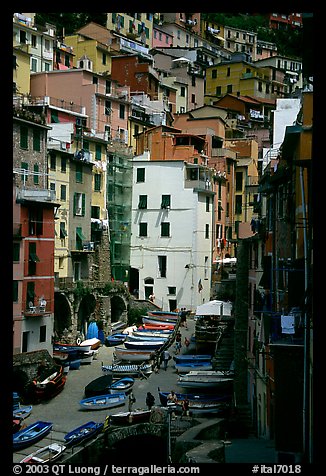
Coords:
224,354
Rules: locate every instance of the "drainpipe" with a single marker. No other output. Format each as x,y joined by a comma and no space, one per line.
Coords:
306,328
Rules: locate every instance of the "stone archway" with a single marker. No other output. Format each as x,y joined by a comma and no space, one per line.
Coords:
118,309
85,313
63,314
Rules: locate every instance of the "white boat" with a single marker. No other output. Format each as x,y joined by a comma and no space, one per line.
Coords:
131,369
47,454
146,338
132,355
158,322
144,344
151,333
206,379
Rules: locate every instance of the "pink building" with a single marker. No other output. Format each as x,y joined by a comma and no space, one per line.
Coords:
107,104
161,37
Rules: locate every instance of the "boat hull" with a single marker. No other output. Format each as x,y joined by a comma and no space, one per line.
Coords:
82,433
31,434
103,402
186,367
192,358
48,454
130,418
130,370
133,355
223,384
144,345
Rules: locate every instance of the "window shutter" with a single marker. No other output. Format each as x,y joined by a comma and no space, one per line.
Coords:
75,202
83,204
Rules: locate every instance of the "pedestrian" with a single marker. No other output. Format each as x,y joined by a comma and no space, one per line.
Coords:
132,400
183,317
187,342
185,408
150,400
178,342
171,402
166,358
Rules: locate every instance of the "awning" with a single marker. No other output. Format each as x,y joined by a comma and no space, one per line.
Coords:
214,308
80,234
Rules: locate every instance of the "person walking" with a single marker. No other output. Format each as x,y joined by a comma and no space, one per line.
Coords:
166,358
150,400
178,342
185,408
132,400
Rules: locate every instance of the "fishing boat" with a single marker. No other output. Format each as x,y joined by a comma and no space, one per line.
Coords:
47,454
137,338
156,321
180,358
59,346
49,383
134,370
124,384
205,381
22,412
94,343
130,418
82,433
105,385
152,333
115,339
31,434
185,367
133,355
103,402
198,406
164,313
144,345
157,326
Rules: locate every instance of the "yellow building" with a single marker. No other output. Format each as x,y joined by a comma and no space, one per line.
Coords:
239,77
135,26
21,70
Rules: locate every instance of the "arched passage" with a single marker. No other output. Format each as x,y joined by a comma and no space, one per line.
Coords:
118,309
86,308
62,313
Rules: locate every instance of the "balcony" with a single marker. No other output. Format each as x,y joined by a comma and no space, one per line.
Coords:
37,311
84,247
84,156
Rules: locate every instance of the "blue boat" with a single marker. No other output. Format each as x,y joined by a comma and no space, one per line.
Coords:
192,358
82,433
103,402
31,434
22,412
184,367
115,339
124,384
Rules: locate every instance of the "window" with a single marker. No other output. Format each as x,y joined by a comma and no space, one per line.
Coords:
52,162
97,182
229,88
142,229
162,260
238,204
63,192
107,87
207,203
23,137
103,58
140,175
165,229
42,333
95,212
30,293
63,164
207,231
122,111
36,140
32,259
142,204
228,73
166,201
193,98
34,65
79,204
182,91
214,73
16,252
34,41
35,221
206,268
238,181
67,61
218,91
108,109
63,231
36,174
95,80
79,173
14,62
15,291
98,152
172,290
193,80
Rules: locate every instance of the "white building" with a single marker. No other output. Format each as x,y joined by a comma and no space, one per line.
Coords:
171,241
